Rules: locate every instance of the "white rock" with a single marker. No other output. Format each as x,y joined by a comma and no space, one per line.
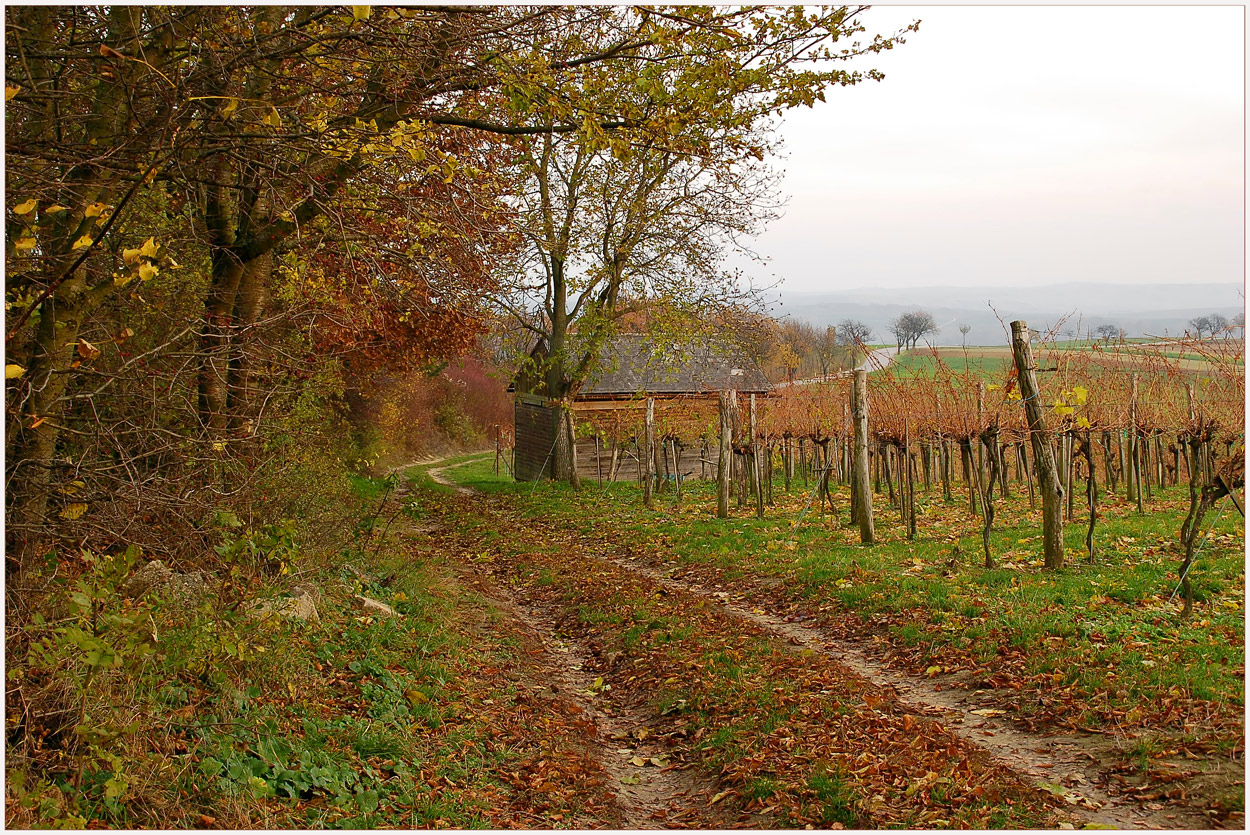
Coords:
373,607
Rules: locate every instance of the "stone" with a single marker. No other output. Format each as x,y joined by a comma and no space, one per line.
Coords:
157,577
301,607
306,590
373,607
154,575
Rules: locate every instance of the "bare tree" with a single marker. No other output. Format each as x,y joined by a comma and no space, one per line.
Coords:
964,329
1107,332
910,328
852,332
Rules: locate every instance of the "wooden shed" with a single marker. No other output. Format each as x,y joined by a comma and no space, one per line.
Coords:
630,368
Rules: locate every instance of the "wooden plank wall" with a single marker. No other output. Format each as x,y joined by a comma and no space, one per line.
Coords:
628,468
535,439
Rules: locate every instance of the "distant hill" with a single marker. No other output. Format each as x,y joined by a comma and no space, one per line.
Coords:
1149,309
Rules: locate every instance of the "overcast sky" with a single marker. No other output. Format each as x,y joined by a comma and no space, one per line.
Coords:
1023,145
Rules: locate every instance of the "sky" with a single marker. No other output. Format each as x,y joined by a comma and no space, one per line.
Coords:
1013,145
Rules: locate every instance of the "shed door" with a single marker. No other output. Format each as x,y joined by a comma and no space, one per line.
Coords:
535,440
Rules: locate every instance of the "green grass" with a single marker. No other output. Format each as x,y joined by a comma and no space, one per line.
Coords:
287,725
924,364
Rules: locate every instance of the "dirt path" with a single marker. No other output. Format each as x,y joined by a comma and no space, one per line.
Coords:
1076,768
650,793
1069,766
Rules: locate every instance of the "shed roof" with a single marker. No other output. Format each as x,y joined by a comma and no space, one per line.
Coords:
634,363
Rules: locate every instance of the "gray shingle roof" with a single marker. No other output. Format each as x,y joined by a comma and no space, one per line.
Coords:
635,364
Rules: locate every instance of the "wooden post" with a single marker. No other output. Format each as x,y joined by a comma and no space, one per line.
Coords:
1043,455
1091,492
863,497
1125,471
646,460
1108,469
883,454
723,475
768,470
926,454
803,460
661,464
575,480
1135,491
1001,452
598,460
1028,477
1069,469
757,466
980,457
786,460
907,482
945,454
969,466
676,466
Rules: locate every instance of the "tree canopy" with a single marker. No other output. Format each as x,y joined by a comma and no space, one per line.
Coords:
263,206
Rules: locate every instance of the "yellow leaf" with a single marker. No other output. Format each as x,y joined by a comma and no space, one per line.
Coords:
361,12
94,209
150,248
147,271
86,350
231,106
1083,422
932,671
85,240
130,255
11,91
1082,394
51,210
73,511
25,208
24,244
272,118
13,370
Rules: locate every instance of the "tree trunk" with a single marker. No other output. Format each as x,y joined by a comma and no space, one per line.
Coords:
1043,455
35,444
250,299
